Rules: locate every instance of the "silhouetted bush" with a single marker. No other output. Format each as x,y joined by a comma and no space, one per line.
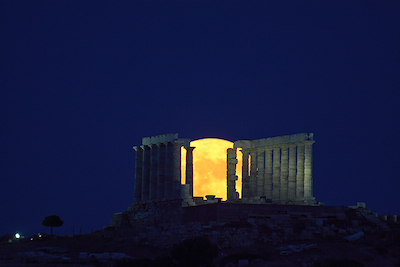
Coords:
194,252
238,224
298,227
6,237
145,262
163,262
234,258
396,238
343,263
382,250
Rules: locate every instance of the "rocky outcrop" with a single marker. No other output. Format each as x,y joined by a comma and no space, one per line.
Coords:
231,225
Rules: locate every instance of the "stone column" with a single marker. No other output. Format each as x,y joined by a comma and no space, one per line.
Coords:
231,177
253,172
308,181
268,173
162,151
260,172
300,171
284,173
292,172
169,170
176,182
138,173
146,173
187,199
153,171
276,174
189,168
245,173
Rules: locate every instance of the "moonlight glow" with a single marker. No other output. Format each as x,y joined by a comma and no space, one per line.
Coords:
209,167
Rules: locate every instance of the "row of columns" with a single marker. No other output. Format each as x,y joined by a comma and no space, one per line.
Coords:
158,171
282,173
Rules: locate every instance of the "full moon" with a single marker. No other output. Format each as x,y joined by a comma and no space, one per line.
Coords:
209,167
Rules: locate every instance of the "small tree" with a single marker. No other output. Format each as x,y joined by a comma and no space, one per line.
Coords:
194,252
52,221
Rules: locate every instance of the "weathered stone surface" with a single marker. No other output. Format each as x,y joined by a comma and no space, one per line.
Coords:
154,157
260,171
300,172
146,173
245,173
253,173
187,199
232,225
355,236
232,194
169,171
292,172
308,182
159,139
189,169
276,174
138,173
283,196
176,182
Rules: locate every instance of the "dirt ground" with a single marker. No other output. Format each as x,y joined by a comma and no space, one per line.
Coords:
373,250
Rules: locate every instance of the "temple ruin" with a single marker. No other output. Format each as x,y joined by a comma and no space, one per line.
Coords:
276,170
276,202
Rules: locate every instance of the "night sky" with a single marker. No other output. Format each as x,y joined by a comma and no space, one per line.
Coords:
81,82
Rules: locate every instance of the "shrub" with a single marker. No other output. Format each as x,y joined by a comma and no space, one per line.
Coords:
194,252
163,262
382,250
344,263
145,262
234,258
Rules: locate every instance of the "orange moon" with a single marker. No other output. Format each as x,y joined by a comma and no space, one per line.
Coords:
209,167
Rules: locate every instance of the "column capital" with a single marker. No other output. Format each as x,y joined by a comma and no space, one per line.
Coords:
162,145
178,143
189,148
309,142
245,150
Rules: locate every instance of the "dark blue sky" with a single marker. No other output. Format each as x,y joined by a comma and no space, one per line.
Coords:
81,82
